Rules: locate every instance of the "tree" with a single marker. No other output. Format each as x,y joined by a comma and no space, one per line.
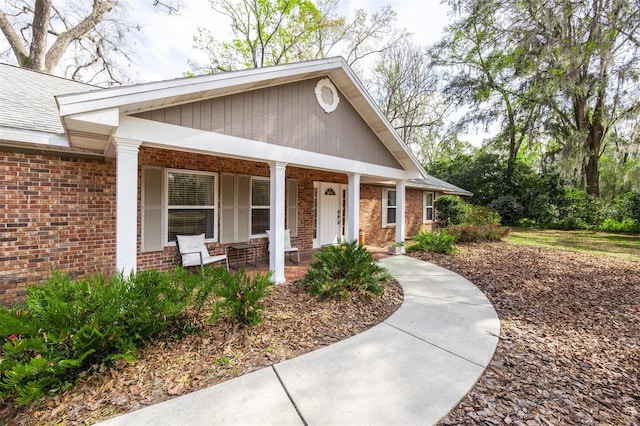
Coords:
562,71
480,58
85,39
408,92
272,32
584,58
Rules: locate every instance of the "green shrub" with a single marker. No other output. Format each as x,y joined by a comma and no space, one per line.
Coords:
480,215
240,295
627,225
476,234
64,326
580,211
450,210
625,206
508,207
525,222
439,242
342,269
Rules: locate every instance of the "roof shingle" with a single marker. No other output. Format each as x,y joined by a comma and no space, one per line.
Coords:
30,104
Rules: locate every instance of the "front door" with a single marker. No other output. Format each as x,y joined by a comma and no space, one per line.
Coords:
331,213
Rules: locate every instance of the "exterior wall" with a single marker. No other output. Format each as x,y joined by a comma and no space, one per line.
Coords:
168,257
286,115
59,213
55,214
371,215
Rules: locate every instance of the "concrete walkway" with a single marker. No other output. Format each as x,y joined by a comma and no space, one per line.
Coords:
412,369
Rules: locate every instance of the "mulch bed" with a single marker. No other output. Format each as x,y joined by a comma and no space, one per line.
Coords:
569,351
294,323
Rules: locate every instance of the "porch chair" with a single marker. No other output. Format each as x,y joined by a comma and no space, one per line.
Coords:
287,245
194,252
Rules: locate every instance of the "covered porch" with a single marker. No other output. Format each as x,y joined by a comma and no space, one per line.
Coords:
306,136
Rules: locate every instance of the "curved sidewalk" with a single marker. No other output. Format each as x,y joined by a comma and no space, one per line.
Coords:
411,369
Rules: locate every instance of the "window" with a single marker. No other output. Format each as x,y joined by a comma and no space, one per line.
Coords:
427,207
260,205
388,207
191,204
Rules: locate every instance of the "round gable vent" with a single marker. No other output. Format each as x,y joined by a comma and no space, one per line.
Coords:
327,95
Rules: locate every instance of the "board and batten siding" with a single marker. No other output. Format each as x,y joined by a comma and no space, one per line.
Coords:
286,115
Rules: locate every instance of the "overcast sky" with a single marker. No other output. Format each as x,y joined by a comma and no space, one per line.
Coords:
169,39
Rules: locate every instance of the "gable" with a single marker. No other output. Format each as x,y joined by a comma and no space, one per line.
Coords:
286,115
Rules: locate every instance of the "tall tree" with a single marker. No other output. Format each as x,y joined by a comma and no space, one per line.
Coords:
409,93
564,71
89,34
481,59
272,32
584,58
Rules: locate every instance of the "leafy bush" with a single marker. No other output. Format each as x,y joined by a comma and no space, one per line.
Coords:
525,222
240,295
65,326
439,242
508,207
626,206
450,210
475,234
341,269
480,215
627,225
580,211
543,210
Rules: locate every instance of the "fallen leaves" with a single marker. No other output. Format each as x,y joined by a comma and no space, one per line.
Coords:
294,323
570,346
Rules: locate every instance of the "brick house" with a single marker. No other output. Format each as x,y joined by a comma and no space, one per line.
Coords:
99,180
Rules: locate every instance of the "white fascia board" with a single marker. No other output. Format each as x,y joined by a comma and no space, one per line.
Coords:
105,117
34,137
169,136
120,96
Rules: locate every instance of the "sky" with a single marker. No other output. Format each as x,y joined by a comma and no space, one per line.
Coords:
169,38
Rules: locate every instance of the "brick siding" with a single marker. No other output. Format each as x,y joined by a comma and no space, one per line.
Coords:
58,213
55,214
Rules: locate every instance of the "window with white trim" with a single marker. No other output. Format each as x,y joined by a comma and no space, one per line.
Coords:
427,206
191,204
388,207
260,205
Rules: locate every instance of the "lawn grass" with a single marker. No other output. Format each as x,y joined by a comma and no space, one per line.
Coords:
620,245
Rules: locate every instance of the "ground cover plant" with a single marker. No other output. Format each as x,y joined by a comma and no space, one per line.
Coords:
340,270
294,322
439,242
67,326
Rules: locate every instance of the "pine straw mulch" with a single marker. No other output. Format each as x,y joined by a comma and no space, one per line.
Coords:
569,351
294,323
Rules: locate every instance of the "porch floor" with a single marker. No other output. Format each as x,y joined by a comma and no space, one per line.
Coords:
294,271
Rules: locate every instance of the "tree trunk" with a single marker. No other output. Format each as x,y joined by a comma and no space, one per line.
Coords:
40,30
592,168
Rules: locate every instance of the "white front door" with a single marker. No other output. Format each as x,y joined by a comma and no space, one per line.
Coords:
331,220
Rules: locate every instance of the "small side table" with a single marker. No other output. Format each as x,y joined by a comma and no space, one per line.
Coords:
249,251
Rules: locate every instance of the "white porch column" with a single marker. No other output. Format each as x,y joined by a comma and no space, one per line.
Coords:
400,210
126,204
276,218
353,207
